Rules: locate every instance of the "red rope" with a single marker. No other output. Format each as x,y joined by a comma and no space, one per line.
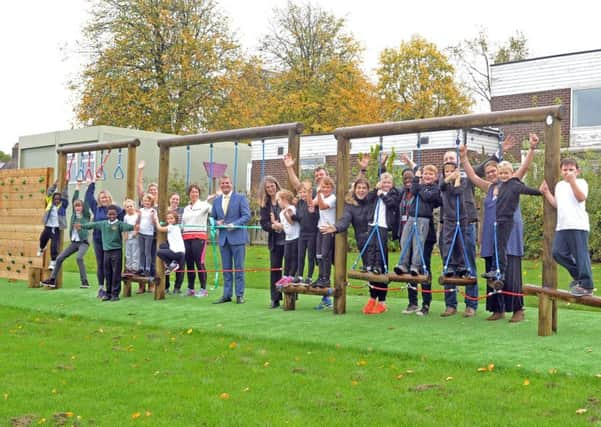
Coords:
232,270
437,291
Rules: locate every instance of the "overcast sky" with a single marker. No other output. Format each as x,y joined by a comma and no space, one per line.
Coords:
38,37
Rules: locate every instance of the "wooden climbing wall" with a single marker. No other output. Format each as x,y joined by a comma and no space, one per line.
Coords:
22,203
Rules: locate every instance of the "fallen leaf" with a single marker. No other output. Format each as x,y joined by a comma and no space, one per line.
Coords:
41,420
482,369
5,396
189,331
409,371
266,365
135,415
224,396
54,391
362,363
581,411
552,371
101,330
449,378
148,413
246,389
233,345
354,383
399,376
526,382
491,367
598,375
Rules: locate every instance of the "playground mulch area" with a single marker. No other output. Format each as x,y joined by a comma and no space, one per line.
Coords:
185,361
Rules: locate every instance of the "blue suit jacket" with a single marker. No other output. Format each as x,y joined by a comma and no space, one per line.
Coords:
238,213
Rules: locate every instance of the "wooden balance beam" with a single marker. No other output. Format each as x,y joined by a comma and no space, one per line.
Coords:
562,295
390,277
369,277
141,280
290,291
409,278
457,281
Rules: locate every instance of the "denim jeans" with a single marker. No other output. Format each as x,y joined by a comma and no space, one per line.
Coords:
570,250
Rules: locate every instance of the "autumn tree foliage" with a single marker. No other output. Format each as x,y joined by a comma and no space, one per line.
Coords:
316,70
417,81
155,64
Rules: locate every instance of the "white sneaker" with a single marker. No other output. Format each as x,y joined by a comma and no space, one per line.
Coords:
40,252
51,265
201,293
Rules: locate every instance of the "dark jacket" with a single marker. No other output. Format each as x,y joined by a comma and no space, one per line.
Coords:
429,198
273,237
359,213
508,197
307,220
449,194
62,208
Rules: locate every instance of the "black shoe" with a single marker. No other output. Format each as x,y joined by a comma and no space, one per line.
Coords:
113,299
84,284
365,269
490,275
275,304
51,283
222,300
105,298
400,269
376,270
240,300
450,272
323,283
414,271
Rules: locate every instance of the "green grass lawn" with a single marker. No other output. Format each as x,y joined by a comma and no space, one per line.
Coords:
68,359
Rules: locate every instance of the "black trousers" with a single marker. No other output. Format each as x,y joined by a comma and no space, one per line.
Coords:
503,232
276,257
306,247
52,234
325,253
99,253
291,258
112,271
195,262
167,255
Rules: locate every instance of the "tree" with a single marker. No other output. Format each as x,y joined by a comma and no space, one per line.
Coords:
316,77
474,58
155,64
417,81
4,157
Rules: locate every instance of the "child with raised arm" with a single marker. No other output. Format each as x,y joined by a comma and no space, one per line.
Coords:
326,203
426,198
146,234
132,245
284,199
54,220
79,242
307,216
172,253
111,231
570,245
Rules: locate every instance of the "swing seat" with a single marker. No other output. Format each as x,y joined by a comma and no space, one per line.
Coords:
369,277
457,281
409,278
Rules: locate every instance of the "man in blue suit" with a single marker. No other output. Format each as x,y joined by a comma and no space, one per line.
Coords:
231,210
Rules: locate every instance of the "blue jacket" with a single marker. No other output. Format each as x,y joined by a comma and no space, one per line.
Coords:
62,209
238,213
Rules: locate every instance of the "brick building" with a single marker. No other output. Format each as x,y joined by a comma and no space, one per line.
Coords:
571,79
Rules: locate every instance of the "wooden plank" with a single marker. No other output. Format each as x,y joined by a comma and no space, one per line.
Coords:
23,228
20,262
591,301
24,236
15,173
37,191
457,281
300,289
408,278
24,212
28,204
369,277
28,247
22,219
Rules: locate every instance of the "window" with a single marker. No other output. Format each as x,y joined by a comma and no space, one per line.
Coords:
280,151
311,163
586,107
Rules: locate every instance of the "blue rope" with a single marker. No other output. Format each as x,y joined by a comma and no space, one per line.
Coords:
380,155
369,237
187,166
498,270
118,173
80,173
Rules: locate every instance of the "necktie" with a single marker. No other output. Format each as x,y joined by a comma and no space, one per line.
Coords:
224,203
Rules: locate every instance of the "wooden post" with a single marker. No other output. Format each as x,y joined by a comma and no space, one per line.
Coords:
294,151
61,174
159,289
341,245
547,307
131,172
